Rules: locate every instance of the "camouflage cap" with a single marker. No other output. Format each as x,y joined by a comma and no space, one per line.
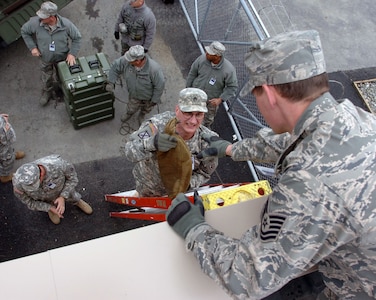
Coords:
192,99
215,48
135,53
287,57
47,9
28,175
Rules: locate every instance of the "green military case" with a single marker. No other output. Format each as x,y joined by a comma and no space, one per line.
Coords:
83,85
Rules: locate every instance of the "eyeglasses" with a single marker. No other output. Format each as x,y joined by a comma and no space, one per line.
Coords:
189,114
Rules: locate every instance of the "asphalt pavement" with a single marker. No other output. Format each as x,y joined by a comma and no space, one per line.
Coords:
346,29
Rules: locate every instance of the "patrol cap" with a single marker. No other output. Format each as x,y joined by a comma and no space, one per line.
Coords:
135,53
47,9
215,48
284,58
192,99
28,175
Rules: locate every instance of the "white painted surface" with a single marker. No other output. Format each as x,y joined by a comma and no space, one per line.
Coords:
146,263
29,277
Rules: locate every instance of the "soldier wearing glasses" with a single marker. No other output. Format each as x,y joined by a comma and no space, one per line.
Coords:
178,133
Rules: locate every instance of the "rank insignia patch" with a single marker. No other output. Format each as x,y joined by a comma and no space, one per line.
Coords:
271,225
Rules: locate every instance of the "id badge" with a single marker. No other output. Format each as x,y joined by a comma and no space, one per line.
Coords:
51,185
212,81
52,47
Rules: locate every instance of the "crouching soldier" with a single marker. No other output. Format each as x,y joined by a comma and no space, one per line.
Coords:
47,184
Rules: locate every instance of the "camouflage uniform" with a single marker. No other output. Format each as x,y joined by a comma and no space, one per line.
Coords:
60,180
140,26
7,153
322,211
146,171
218,81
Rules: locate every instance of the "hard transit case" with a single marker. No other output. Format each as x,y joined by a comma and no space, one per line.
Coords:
83,86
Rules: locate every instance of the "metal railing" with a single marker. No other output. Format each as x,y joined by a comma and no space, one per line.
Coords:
236,24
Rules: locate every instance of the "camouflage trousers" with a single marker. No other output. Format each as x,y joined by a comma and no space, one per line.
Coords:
50,77
144,106
73,197
210,115
7,161
147,183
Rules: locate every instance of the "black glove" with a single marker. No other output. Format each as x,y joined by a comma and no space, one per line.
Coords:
182,215
217,146
164,142
117,35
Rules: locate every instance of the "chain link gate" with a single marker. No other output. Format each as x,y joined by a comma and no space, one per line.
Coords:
236,23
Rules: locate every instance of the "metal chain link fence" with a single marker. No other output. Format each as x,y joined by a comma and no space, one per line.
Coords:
236,23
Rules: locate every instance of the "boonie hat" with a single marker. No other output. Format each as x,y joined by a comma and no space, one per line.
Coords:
284,58
135,53
47,9
192,99
215,48
28,175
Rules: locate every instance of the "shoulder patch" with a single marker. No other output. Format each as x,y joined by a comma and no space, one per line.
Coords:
147,132
271,225
144,134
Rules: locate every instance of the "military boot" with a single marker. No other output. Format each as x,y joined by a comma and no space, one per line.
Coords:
5,179
54,217
46,96
125,117
20,154
85,207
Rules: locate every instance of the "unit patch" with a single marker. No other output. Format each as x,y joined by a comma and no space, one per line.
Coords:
144,134
147,132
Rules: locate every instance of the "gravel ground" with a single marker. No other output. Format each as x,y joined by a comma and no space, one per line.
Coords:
367,90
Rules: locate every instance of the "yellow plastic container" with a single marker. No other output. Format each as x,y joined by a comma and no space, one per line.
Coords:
235,194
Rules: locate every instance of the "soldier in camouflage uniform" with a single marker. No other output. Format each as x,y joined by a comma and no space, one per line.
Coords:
144,80
7,153
322,211
47,184
47,36
142,146
136,24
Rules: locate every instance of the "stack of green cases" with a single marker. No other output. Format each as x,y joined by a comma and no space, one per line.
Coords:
83,85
